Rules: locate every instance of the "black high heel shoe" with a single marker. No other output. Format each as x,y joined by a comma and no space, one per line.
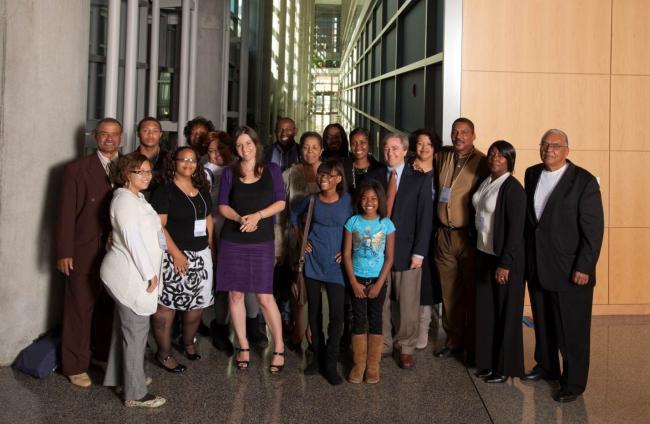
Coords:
179,368
191,356
496,378
276,369
242,365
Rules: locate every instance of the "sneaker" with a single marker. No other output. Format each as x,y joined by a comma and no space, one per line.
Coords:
80,380
147,381
148,401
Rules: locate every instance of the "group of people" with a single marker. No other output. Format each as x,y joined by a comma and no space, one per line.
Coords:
228,223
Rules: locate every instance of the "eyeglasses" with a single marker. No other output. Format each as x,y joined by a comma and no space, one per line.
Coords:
551,146
187,160
143,172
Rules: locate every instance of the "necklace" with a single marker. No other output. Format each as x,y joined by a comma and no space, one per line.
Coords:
358,172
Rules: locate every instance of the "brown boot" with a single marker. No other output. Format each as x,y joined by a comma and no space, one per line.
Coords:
359,356
375,347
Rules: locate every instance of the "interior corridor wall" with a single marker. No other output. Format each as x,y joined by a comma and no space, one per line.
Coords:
43,75
578,65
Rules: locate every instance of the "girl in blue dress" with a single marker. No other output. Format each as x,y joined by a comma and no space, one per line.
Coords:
332,208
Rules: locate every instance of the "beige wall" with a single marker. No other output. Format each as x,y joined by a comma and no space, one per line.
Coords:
582,66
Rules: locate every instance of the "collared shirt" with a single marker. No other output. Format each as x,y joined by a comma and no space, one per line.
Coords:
456,212
106,161
547,182
399,169
485,202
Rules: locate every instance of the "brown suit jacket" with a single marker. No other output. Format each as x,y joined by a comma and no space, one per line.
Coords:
83,223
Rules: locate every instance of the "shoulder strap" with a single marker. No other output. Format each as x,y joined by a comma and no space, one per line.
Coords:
310,211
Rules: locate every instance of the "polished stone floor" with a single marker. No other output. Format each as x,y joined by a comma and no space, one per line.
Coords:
436,391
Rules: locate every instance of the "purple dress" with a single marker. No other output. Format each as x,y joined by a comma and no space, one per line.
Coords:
245,260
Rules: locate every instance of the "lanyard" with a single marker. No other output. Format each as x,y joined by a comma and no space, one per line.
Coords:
459,172
196,217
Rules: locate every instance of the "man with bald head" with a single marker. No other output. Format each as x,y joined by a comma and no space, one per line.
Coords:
564,233
284,152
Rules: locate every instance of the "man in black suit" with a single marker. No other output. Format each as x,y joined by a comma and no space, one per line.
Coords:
410,207
564,233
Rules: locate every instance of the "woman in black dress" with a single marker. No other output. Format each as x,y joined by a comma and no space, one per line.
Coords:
361,161
500,204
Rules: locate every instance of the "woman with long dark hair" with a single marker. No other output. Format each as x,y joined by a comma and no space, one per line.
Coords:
251,194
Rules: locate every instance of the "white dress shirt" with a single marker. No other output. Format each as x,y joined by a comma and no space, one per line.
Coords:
485,202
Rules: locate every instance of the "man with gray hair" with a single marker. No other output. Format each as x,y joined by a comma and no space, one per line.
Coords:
564,233
410,207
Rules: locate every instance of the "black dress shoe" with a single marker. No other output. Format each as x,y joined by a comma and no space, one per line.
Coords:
534,375
496,378
564,396
446,352
483,373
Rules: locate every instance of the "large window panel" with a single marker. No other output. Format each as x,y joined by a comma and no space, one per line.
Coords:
410,100
412,26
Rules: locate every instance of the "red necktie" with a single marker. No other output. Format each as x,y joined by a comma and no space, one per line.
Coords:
391,192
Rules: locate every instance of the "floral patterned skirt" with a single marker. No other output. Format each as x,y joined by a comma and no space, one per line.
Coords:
192,290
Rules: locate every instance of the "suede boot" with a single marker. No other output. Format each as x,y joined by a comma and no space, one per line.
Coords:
375,347
359,356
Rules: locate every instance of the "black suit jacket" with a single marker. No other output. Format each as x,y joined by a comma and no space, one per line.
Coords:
568,235
412,214
509,219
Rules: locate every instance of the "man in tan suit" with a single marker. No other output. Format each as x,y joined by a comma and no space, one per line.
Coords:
82,231
460,168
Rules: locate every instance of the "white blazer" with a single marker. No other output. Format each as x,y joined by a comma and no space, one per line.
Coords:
135,254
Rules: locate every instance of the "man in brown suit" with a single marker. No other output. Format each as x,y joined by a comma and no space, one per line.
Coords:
82,231
461,168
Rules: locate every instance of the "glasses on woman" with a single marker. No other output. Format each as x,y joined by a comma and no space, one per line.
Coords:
186,160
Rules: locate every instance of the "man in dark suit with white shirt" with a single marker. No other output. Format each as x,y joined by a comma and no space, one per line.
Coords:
564,233
410,207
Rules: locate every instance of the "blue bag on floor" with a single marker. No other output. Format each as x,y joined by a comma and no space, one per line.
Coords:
41,357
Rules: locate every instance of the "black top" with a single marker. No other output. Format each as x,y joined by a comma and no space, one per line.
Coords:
182,211
247,199
353,176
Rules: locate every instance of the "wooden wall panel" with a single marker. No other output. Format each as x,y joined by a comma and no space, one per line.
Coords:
629,267
630,35
630,203
631,112
571,36
520,107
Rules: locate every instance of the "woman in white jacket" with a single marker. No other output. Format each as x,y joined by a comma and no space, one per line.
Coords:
130,272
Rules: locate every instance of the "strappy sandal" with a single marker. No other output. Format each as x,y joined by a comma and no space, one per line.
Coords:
179,368
242,365
191,356
276,369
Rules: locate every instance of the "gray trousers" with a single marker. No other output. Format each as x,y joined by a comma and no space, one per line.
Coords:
404,288
126,358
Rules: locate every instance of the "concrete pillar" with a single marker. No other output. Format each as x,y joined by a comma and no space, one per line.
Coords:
44,45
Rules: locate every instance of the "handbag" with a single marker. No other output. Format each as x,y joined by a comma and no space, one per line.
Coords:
41,357
298,287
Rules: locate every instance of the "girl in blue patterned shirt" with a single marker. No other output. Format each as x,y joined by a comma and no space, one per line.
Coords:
368,257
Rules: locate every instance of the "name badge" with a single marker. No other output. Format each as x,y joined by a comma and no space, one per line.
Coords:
445,194
162,241
200,228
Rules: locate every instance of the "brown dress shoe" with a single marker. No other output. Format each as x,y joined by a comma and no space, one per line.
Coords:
406,361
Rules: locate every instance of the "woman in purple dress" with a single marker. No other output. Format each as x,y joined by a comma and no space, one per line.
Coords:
251,194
